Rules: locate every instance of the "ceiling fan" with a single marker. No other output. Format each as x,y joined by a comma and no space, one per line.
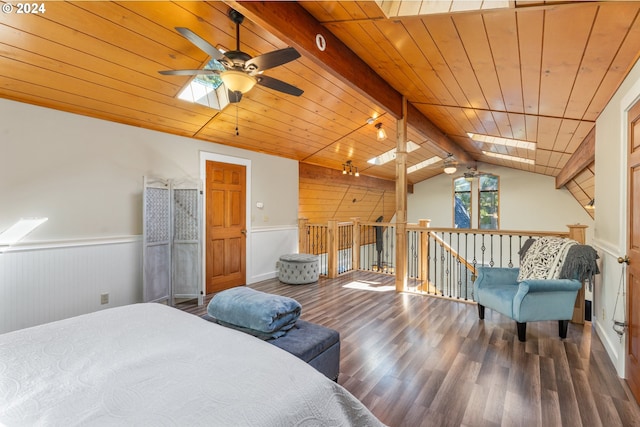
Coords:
473,173
240,72
449,164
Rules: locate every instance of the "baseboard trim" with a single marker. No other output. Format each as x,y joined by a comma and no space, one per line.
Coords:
610,347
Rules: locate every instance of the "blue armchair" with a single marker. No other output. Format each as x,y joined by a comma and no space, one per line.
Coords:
527,301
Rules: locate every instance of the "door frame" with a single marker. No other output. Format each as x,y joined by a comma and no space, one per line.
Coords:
627,102
206,156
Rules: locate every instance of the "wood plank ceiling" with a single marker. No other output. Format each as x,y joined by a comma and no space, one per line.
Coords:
535,71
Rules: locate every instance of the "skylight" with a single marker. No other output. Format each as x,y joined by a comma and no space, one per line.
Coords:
423,164
207,89
496,140
428,7
507,157
391,154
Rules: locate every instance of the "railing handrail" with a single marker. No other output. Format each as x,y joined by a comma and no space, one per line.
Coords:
453,252
415,227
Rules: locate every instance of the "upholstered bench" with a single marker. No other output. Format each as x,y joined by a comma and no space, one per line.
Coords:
298,269
317,345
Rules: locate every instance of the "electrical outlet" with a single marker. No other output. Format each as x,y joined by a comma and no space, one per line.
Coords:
104,298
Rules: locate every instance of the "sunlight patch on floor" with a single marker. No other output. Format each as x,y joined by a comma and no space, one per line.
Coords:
365,285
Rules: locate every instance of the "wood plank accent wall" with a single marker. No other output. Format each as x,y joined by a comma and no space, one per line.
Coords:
326,194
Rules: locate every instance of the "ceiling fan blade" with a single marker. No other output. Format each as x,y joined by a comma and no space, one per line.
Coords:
201,43
234,96
188,72
278,85
272,59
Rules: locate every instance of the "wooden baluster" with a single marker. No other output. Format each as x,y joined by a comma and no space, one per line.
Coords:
424,255
332,249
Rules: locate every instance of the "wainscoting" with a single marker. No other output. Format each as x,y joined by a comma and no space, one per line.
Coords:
55,281
47,282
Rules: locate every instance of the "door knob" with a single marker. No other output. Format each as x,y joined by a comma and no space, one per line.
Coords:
244,232
625,259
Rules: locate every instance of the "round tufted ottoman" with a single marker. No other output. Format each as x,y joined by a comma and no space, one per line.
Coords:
298,269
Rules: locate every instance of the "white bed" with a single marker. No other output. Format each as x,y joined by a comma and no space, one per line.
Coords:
149,364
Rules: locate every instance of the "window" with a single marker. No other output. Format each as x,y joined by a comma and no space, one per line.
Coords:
461,203
488,202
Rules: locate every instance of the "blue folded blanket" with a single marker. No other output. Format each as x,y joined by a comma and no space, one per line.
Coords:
258,313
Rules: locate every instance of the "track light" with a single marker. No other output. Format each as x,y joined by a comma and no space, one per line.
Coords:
381,135
591,204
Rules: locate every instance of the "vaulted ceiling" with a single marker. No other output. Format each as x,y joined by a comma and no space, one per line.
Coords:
535,71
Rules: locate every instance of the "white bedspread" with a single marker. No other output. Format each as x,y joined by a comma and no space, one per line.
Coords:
149,364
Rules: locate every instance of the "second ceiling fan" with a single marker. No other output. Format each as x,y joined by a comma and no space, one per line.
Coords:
241,71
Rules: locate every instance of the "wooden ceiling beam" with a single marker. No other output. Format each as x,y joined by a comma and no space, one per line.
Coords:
581,158
291,23
294,25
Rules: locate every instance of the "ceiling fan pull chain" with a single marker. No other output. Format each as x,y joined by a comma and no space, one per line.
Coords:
237,132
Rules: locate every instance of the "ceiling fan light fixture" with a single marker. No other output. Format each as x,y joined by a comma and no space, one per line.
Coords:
450,169
238,81
349,169
381,134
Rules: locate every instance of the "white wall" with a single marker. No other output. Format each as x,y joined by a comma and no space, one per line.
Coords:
86,176
528,201
611,212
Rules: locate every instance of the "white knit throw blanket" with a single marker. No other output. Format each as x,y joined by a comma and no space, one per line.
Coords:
544,259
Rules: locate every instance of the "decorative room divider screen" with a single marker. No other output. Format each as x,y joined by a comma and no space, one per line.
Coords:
172,240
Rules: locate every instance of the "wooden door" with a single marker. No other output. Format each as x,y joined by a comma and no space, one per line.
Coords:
225,226
633,252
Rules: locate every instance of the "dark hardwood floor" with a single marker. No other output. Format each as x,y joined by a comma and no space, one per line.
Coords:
415,360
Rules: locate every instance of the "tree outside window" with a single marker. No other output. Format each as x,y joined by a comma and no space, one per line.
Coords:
488,202
461,203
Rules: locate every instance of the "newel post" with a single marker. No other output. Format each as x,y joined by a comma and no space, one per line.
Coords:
424,253
355,248
401,200
303,231
577,233
332,248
